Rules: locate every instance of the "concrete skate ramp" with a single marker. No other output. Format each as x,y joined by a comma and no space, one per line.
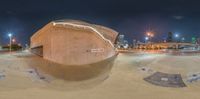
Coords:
72,42
38,50
71,72
166,80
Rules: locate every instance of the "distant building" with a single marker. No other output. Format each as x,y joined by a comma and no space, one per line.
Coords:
125,44
170,37
121,42
121,39
14,47
194,40
198,41
182,39
134,43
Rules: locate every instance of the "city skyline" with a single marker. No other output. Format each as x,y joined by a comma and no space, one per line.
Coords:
131,18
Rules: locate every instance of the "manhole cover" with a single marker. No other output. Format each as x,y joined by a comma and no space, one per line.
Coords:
193,78
166,80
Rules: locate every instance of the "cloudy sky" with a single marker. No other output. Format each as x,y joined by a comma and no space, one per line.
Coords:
129,17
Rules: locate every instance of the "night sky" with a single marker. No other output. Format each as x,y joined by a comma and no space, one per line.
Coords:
129,17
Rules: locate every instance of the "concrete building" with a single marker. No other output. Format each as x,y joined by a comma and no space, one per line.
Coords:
71,42
170,37
198,40
121,42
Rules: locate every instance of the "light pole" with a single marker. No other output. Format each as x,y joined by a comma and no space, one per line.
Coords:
10,36
146,39
13,41
150,35
177,37
183,39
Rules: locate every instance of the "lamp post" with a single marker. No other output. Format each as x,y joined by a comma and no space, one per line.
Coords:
10,36
183,39
177,37
150,35
146,39
13,41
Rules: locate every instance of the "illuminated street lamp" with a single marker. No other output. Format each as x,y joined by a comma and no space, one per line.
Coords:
176,35
13,40
150,35
146,38
10,36
19,44
182,39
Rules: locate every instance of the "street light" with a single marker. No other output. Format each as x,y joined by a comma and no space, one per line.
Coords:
13,40
10,36
183,39
176,35
146,39
150,35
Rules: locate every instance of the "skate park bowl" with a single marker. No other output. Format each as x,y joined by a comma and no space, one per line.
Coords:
74,50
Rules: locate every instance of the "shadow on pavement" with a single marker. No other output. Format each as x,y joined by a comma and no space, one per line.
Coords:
72,73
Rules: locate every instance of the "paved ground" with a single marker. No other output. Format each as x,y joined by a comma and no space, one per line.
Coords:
23,76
